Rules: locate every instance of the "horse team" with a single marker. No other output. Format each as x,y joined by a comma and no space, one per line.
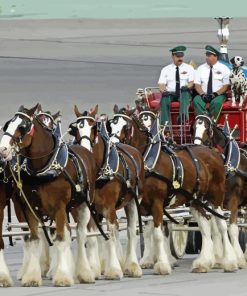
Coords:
124,163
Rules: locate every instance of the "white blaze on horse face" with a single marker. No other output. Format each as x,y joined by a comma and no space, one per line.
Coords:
85,129
117,127
47,121
200,129
5,147
147,121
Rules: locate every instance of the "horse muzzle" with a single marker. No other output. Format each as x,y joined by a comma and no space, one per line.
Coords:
6,153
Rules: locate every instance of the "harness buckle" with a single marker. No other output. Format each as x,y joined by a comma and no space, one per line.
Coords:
78,188
176,184
128,184
229,167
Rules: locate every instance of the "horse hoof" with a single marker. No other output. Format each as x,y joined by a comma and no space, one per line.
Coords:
147,265
174,263
200,269
5,281
86,277
133,270
62,283
162,269
114,274
230,267
242,263
217,265
62,280
31,284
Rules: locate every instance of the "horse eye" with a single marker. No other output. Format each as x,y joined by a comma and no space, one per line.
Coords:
145,117
115,121
81,125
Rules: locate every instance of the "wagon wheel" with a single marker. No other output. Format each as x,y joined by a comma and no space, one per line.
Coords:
178,241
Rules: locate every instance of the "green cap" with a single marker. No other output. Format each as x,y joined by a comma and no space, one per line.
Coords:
211,50
178,50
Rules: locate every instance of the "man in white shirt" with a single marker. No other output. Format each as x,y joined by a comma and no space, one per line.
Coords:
211,84
175,83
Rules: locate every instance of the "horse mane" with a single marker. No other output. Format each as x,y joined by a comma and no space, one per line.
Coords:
85,113
122,111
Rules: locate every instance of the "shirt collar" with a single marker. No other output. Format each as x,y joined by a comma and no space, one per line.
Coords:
176,66
214,66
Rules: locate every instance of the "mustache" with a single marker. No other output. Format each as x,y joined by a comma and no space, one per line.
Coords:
180,60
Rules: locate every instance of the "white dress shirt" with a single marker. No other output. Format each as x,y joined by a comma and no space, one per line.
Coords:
220,76
168,76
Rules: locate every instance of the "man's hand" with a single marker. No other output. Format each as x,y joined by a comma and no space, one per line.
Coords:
213,95
184,88
162,88
205,98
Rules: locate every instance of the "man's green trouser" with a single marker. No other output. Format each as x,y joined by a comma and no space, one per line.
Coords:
215,106
184,103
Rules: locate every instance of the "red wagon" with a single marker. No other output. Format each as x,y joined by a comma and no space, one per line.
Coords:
181,133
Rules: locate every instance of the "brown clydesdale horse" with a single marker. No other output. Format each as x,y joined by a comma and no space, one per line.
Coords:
205,131
7,191
50,187
114,190
92,246
203,178
5,277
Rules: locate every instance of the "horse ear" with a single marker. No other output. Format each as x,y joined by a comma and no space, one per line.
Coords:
77,112
131,111
56,115
31,111
21,108
115,109
94,111
39,108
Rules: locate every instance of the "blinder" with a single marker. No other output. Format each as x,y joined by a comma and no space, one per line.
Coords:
73,129
5,127
108,126
25,127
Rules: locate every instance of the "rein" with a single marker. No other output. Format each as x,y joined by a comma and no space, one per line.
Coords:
18,182
87,138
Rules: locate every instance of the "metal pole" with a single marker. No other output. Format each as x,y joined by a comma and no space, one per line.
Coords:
223,36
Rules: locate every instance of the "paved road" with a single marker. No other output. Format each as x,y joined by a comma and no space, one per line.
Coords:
180,283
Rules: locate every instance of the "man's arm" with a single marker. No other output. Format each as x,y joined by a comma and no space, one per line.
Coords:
223,89
162,80
162,87
190,84
191,78
199,90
